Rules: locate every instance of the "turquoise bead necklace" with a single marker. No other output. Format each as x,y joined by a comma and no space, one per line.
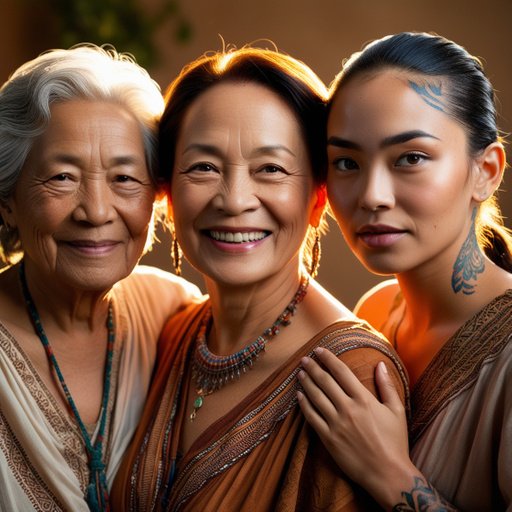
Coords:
96,496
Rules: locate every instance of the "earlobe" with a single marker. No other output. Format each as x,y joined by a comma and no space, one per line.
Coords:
319,208
490,166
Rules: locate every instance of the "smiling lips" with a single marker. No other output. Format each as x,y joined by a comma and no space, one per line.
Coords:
237,237
379,235
92,247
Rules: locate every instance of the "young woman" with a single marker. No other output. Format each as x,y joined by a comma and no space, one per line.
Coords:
415,158
243,150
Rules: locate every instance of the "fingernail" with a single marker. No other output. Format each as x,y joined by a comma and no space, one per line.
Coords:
383,367
301,375
318,350
304,361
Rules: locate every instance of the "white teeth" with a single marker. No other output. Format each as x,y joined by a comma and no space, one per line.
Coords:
237,238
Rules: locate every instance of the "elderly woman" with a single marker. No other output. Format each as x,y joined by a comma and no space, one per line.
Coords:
77,340
242,149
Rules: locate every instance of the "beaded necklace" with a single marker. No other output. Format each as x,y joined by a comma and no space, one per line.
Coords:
211,372
96,496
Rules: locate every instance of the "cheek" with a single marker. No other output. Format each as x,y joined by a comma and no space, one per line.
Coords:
341,201
138,215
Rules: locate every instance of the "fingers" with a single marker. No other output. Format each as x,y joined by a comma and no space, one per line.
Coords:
342,374
311,415
387,390
320,389
328,382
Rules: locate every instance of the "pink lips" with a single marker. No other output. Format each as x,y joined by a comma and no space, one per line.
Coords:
91,248
378,236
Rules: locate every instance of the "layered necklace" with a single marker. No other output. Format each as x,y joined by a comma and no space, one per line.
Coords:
211,372
96,496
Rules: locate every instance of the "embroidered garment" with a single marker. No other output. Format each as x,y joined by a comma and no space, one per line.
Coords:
260,456
43,464
461,431
462,413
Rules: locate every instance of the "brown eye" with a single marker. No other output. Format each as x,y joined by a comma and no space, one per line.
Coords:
345,164
410,159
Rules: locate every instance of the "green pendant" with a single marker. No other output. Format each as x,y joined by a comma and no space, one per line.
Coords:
198,403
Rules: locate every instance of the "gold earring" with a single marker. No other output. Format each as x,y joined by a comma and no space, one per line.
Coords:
316,252
176,254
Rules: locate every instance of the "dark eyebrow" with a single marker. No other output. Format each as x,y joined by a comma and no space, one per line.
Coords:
405,137
342,143
400,138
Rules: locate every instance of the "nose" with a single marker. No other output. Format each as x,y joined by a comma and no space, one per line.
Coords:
95,203
237,193
377,190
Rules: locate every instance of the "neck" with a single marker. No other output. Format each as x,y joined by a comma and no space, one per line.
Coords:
65,307
242,313
432,300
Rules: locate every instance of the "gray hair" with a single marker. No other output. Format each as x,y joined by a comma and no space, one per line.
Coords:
83,72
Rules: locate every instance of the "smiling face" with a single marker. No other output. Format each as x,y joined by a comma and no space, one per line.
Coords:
242,186
84,197
400,179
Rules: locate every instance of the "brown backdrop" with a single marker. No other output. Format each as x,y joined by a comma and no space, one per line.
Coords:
322,33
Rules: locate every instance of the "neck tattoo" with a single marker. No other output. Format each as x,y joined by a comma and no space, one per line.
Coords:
97,497
211,372
470,262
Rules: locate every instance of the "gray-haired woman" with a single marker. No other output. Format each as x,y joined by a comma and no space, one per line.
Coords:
77,339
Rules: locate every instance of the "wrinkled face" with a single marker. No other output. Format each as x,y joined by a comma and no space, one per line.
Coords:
242,187
84,198
399,172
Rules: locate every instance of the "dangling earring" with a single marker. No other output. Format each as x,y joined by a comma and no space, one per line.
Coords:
316,252
176,253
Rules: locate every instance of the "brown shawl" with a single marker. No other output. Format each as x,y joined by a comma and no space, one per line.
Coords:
259,456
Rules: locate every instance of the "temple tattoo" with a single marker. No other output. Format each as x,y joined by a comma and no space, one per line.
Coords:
470,262
430,94
423,497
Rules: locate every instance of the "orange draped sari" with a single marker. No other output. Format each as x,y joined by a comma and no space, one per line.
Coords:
261,455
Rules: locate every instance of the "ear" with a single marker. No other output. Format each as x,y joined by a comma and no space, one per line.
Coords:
489,171
7,214
318,209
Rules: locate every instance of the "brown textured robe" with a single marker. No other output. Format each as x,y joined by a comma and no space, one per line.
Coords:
261,456
461,430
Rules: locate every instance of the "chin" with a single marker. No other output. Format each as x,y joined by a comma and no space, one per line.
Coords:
380,266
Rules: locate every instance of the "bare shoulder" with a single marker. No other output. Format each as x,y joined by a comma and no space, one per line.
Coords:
374,306
327,307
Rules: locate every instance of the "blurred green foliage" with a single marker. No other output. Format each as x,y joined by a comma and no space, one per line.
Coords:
122,23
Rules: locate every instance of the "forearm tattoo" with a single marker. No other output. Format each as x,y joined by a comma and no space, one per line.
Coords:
470,262
423,498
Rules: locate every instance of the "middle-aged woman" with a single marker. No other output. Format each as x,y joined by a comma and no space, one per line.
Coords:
242,146
415,159
78,133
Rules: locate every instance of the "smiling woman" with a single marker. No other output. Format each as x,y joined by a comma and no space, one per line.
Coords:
84,200
243,155
78,330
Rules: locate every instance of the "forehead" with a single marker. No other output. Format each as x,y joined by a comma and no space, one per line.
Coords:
392,101
247,103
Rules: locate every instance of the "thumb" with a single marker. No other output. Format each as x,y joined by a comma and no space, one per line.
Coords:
386,387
